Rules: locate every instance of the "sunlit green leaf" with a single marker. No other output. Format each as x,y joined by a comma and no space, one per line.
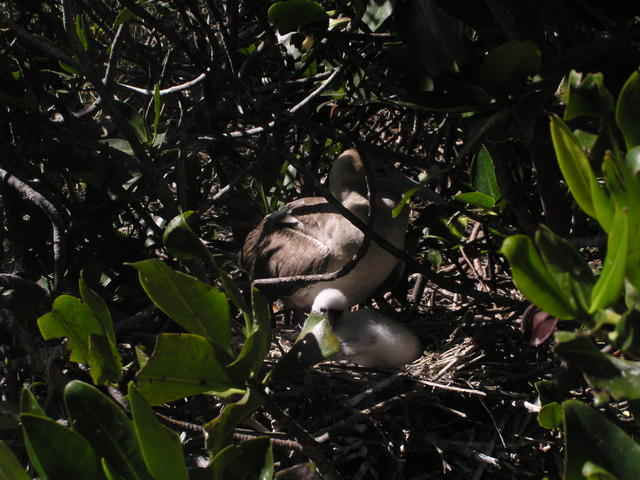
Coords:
477,199
198,307
569,269
184,365
609,285
533,278
574,165
315,343
73,319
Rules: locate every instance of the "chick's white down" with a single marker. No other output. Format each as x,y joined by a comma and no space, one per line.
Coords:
367,337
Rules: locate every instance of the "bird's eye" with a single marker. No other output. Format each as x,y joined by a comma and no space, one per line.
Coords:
323,310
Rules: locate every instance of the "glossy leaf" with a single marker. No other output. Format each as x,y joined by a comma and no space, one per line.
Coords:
507,67
250,460
220,429
60,453
534,280
628,111
574,165
587,95
567,266
107,428
608,288
289,15
73,319
197,307
315,343
477,199
590,437
183,365
10,468
160,446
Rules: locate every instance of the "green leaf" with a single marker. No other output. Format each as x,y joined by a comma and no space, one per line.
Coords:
550,416
139,125
574,165
119,144
184,365
107,428
250,460
157,108
81,32
626,336
567,266
103,365
73,319
406,199
534,280
628,111
10,468
196,306
160,446
609,285
477,199
289,15
587,96
315,343
181,241
595,472
590,437
29,403
507,67
220,429
99,309
125,15
618,378
483,176
104,359
60,453
258,339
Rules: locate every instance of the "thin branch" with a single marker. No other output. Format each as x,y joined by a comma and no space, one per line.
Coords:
57,225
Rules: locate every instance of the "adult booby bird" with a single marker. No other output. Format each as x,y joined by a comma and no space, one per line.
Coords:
309,236
367,337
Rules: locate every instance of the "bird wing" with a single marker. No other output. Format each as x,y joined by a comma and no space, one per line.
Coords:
286,242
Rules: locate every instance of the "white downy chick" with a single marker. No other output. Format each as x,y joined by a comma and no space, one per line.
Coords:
367,337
